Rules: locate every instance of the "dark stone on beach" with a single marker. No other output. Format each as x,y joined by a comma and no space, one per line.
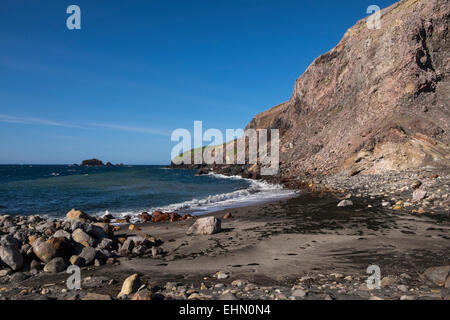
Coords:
126,248
11,256
88,255
437,275
36,265
55,265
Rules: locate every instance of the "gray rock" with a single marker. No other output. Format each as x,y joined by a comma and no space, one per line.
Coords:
126,248
205,226
88,255
83,238
36,265
17,277
437,275
105,244
62,234
55,265
419,195
12,257
8,240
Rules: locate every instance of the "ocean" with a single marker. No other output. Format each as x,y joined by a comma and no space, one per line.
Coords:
52,190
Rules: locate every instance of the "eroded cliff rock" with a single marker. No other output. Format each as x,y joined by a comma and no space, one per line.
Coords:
378,101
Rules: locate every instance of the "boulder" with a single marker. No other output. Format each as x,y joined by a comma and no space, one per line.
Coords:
205,226
53,247
83,238
126,248
78,215
158,216
62,234
88,255
12,257
76,261
105,243
63,246
130,285
437,275
145,217
55,265
173,216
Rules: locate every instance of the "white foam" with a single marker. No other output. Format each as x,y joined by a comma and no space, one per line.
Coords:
257,192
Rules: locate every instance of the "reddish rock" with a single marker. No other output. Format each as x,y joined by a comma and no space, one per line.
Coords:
186,216
145,217
78,215
228,215
173,216
158,216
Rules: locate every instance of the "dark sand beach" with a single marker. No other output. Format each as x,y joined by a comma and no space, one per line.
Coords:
269,251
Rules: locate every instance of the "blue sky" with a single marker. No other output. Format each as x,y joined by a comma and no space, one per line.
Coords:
137,70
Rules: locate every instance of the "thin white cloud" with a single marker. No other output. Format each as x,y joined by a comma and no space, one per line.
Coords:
35,121
46,122
131,128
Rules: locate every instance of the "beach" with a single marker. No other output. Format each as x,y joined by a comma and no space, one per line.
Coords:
305,247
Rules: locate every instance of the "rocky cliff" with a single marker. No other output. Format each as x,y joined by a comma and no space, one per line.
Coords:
378,101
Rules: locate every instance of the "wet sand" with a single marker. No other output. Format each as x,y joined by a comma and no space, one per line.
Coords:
275,244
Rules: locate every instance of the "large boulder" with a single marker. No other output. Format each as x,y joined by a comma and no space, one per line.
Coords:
102,229
126,248
12,257
78,215
55,265
437,275
88,255
158,216
204,226
144,217
78,235
53,247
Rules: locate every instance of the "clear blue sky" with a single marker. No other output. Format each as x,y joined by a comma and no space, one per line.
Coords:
137,70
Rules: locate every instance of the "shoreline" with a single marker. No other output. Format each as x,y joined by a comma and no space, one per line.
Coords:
304,247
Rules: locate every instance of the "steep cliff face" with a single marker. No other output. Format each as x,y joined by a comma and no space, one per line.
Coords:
378,101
